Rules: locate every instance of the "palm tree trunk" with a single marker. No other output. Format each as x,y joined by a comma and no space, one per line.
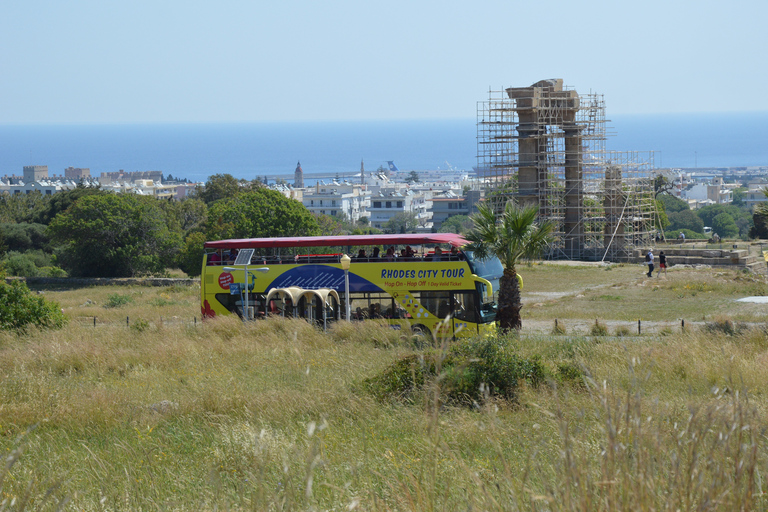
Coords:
509,301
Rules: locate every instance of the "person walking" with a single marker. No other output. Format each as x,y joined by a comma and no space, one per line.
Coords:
649,261
662,264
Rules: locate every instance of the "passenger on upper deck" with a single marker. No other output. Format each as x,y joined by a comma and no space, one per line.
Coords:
438,255
391,254
361,255
214,258
375,252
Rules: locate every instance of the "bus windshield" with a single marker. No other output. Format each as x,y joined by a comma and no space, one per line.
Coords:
489,269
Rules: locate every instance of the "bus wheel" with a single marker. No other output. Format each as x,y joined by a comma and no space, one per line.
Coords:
421,335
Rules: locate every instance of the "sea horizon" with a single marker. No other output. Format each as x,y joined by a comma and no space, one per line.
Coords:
251,150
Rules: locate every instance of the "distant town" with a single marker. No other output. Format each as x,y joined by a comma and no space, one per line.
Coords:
430,196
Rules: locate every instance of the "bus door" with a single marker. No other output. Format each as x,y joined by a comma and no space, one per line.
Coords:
465,313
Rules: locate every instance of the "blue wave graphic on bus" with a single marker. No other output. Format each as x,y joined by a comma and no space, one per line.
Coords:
312,277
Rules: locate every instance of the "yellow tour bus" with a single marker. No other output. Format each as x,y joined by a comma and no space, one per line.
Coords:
416,279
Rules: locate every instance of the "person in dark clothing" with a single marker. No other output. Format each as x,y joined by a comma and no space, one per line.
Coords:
662,263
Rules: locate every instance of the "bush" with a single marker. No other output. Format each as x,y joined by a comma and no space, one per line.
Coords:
470,371
558,329
17,264
725,326
570,372
622,330
599,329
19,308
117,300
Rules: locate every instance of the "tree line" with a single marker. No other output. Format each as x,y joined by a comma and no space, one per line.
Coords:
89,232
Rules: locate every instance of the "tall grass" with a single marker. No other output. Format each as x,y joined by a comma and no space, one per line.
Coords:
272,416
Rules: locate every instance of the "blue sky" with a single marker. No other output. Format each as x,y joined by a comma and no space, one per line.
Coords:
189,61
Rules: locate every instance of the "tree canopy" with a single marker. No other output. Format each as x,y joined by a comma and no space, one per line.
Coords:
257,214
402,222
224,186
114,235
724,225
672,203
458,224
686,219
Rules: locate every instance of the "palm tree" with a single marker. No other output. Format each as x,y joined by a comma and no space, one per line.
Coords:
512,237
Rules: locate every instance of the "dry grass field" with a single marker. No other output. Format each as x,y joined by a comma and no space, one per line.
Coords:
173,415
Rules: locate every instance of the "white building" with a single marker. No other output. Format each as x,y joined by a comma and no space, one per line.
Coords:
714,191
338,200
393,200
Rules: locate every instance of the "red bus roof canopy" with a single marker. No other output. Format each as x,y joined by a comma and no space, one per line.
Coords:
339,241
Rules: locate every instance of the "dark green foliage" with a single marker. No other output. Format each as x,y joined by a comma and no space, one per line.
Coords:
403,222
114,235
662,185
456,224
224,186
24,236
724,225
570,372
59,202
117,300
662,221
470,371
191,255
259,213
672,234
672,203
686,219
185,216
741,216
21,207
19,308
31,264
413,177
490,362
760,229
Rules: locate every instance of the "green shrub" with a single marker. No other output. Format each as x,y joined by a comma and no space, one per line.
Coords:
599,329
117,300
51,272
16,264
34,263
471,370
19,308
140,325
622,330
558,329
725,326
570,372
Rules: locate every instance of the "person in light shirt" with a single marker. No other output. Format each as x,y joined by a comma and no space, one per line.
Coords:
649,261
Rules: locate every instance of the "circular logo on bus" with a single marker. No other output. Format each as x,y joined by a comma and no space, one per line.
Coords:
225,280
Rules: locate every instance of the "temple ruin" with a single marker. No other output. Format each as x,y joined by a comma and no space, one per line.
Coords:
544,145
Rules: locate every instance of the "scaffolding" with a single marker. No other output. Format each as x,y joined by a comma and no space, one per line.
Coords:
544,145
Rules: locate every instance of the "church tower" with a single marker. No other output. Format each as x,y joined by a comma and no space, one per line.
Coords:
298,177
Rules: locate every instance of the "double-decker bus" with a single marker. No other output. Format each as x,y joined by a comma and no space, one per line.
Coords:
416,278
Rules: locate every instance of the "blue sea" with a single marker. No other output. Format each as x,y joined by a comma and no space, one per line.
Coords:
253,150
